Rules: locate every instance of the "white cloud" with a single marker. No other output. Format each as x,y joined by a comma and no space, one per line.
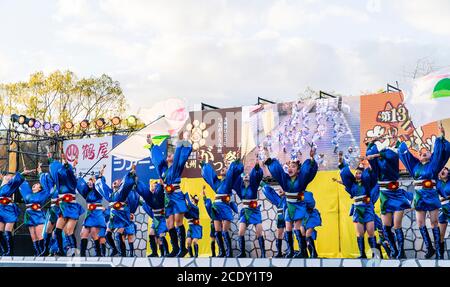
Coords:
71,8
431,16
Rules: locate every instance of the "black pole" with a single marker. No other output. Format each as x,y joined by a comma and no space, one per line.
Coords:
152,122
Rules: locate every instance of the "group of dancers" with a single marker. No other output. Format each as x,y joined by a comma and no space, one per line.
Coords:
376,177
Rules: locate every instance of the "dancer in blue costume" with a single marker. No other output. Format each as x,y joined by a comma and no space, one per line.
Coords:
35,198
154,207
212,231
195,231
278,199
425,170
53,213
63,175
308,230
120,210
223,207
363,189
170,168
246,187
130,231
393,199
9,211
95,218
294,184
102,231
443,188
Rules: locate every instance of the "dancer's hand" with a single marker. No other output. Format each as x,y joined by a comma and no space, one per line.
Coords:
341,157
441,129
39,167
102,170
312,152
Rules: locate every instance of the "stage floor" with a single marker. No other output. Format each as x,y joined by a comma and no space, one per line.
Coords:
20,261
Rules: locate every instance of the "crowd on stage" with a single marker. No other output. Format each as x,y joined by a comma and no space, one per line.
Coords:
112,228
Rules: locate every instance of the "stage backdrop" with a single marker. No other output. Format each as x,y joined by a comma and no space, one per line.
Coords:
288,130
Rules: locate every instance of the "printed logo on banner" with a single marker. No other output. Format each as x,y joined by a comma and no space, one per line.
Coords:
72,152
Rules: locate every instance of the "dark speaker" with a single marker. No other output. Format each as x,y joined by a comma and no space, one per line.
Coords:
22,245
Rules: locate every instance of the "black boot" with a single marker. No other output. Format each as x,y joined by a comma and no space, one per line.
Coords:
191,253
174,241
262,246
41,244
387,231
242,253
97,247
373,245
442,247
73,244
182,239
121,243
361,247
36,248
165,246
427,240
302,245
83,247
152,241
311,247
400,243
220,243
47,240
2,243
9,243
131,247
279,248
195,250
437,241
228,247
103,249
213,248
290,244
59,241
112,244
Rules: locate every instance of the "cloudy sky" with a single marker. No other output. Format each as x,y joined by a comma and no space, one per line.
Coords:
225,53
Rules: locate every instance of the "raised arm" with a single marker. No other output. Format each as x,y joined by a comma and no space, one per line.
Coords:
143,190
46,181
148,210
308,170
307,173
133,201
209,175
348,179
180,157
256,175
271,194
233,173
277,172
208,203
440,155
82,187
128,182
372,155
103,188
15,182
407,158
159,159
25,189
